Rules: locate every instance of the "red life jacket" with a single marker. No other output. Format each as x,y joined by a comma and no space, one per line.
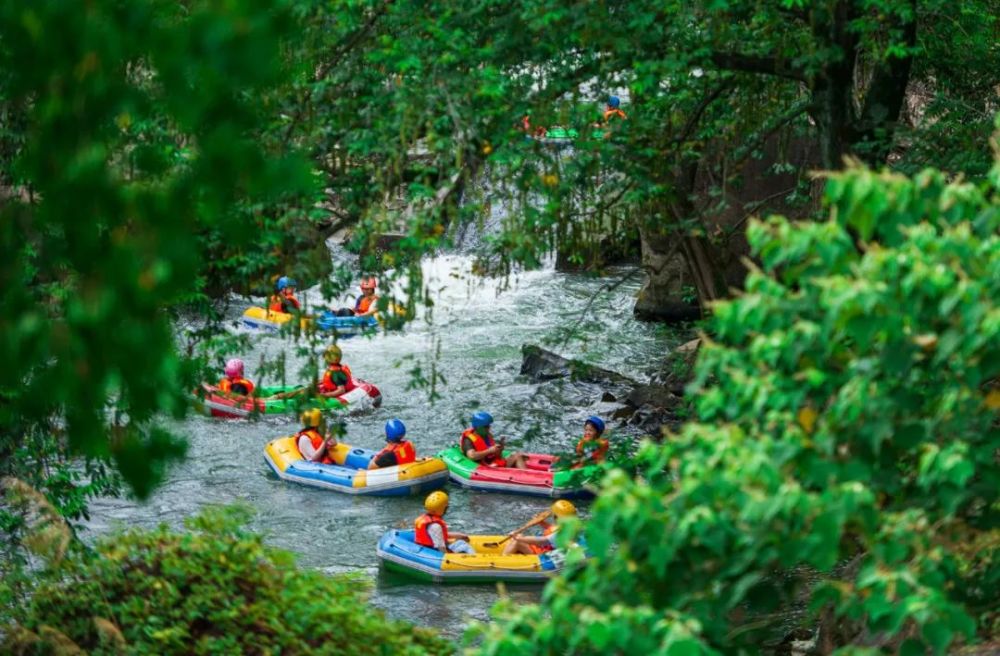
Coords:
327,384
236,386
364,303
421,536
480,443
317,442
614,113
598,453
283,303
404,450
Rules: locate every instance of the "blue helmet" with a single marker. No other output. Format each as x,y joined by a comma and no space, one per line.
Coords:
597,423
481,419
614,102
284,281
394,430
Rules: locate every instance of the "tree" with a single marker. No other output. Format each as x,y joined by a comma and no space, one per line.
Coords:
709,86
845,454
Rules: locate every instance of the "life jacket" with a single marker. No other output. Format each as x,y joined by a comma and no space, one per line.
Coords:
364,303
548,530
422,536
317,442
282,303
480,443
236,386
405,453
327,384
599,452
614,113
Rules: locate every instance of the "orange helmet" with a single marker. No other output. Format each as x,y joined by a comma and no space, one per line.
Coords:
368,283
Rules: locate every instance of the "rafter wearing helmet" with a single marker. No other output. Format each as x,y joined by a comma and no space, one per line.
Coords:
430,529
284,297
538,544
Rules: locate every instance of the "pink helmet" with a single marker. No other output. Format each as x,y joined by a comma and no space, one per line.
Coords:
234,368
368,283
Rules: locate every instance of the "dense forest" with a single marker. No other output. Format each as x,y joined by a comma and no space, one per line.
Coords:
815,184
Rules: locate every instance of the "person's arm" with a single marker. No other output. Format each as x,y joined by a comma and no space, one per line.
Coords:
458,536
472,454
532,539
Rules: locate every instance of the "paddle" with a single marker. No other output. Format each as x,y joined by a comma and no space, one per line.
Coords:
537,519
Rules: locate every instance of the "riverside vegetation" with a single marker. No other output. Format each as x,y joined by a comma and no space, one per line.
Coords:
842,462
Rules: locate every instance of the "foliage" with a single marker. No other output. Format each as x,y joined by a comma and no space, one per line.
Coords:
130,156
213,589
846,454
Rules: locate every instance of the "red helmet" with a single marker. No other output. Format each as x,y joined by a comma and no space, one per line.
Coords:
368,283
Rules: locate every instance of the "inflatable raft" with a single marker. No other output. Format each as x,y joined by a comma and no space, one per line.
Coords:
350,473
539,478
258,318
364,396
559,136
397,551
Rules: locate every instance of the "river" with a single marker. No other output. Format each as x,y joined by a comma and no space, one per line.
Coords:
476,337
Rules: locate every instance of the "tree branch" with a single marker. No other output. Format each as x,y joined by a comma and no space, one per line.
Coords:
734,61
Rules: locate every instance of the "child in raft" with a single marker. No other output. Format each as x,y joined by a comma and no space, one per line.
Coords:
365,306
284,298
592,448
431,531
314,442
397,451
234,384
538,544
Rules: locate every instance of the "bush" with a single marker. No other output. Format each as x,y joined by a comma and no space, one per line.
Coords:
214,589
845,461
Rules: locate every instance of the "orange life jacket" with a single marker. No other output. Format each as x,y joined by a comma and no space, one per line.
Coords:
614,113
232,384
421,536
404,450
327,384
317,442
480,443
547,531
599,452
283,303
364,303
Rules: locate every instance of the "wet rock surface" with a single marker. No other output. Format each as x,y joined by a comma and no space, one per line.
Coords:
648,407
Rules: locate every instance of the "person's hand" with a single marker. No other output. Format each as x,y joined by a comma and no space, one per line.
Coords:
331,442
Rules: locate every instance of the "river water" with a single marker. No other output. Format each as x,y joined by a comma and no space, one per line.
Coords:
478,328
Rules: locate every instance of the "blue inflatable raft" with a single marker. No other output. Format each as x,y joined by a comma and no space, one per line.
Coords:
398,551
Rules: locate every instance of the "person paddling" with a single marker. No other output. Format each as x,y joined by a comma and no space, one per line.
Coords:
538,544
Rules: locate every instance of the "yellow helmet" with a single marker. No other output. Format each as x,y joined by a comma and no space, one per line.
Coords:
563,508
312,418
436,502
332,354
